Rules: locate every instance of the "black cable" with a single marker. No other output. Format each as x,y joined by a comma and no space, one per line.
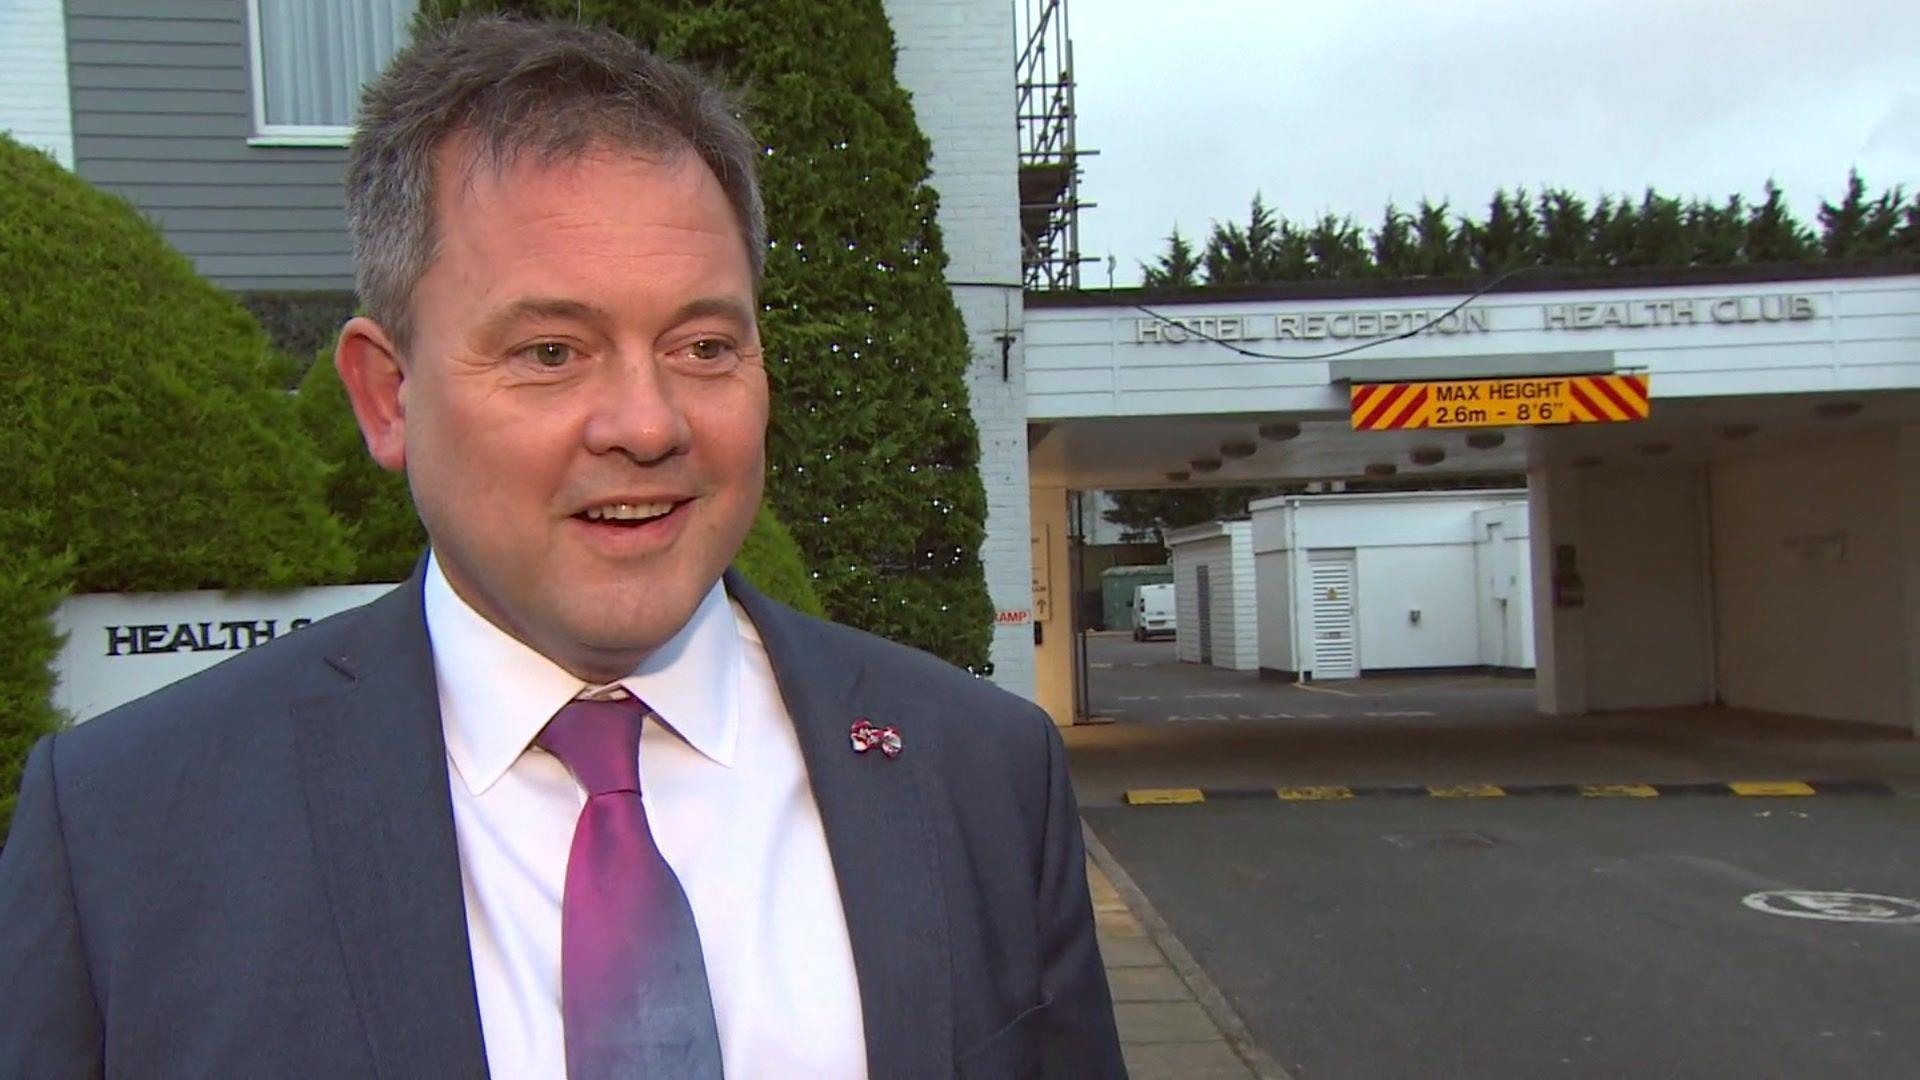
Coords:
1256,354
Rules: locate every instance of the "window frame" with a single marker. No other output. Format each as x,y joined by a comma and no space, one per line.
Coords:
265,134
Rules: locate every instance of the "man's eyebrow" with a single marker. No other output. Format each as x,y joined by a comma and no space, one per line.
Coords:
723,307
539,307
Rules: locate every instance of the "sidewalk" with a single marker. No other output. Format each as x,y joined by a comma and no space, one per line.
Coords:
1174,1024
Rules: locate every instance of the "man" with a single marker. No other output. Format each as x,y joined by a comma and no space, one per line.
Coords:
569,801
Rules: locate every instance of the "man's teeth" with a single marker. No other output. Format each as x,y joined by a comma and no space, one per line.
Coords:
629,511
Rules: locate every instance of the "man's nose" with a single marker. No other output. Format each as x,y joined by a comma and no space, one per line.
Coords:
635,410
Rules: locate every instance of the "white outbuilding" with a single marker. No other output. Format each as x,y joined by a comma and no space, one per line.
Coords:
1392,582
1214,595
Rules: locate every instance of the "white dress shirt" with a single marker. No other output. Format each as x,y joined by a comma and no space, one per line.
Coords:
726,795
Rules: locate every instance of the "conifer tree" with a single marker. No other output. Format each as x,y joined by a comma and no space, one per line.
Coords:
1176,269
1336,248
872,452
1393,244
1566,237
1773,235
1437,250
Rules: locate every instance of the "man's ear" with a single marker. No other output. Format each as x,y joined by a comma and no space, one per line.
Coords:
369,366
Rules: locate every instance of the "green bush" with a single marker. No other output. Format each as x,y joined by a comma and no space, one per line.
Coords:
386,536
31,585
166,457
375,506
873,454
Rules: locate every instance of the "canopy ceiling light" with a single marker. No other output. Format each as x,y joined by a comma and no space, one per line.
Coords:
1205,464
1280,431
1238,448
1486,440
1428,455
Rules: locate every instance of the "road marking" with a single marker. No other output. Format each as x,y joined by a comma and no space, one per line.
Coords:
1324,690
1619,791
1164,796
1835,906
1467,791
1328,793
1771,789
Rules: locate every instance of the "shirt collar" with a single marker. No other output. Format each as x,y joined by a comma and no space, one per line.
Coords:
496,692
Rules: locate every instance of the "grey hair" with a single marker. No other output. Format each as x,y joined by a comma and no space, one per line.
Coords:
515,87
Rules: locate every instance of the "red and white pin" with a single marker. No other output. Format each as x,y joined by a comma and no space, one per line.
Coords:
866,735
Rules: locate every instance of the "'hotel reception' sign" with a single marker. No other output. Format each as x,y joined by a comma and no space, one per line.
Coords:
1374,324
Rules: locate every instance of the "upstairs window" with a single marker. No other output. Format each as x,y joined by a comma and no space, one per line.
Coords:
310,59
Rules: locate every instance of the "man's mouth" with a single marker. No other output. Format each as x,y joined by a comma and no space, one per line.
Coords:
629,514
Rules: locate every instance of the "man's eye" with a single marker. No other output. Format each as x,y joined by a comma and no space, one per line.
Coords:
709,349
548,354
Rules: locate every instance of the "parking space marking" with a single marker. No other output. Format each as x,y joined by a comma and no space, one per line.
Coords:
1619,791
1771,789
1338,793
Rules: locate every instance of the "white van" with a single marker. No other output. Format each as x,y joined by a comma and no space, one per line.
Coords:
1152,612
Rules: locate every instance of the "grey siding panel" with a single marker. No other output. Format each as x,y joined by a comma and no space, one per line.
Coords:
168,54
162,110
187,124
183,220
251,242
229,151
157,197
230,104
221,31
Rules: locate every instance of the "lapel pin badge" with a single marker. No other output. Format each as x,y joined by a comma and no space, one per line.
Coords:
866,735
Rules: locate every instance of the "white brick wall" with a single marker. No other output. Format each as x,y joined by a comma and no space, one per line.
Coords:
955,57
33,54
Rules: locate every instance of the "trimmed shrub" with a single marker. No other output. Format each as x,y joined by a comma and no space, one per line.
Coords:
383,532
300,323
387,539
31,585
873,454
167,459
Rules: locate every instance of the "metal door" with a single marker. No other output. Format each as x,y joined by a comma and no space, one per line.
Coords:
1204,589
1336,650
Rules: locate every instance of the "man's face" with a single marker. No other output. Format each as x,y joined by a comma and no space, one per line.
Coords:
583,410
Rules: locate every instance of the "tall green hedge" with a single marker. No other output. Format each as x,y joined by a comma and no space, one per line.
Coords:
146,444
167,458
873,452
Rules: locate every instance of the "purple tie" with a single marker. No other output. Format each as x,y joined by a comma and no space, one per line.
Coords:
633,985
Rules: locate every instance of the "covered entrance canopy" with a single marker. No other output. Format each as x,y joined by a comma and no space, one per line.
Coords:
1773,483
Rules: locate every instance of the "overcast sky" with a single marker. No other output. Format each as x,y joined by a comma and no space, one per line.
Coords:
1342,104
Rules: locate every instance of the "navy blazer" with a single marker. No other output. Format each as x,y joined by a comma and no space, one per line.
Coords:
253,872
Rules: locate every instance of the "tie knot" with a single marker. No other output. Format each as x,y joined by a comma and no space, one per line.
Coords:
598,742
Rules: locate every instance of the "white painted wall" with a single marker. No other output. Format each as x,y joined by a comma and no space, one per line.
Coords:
1812,579
1642,553
34,105
955,57
1503,587
1273,602
1226,548
1435,579
1414,551
120,646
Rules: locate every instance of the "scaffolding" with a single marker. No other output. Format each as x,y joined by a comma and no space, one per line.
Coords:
1049,159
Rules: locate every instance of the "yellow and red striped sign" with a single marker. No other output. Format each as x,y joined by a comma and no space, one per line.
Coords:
1548,399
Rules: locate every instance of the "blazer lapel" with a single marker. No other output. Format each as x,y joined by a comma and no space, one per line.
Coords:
374,763
885,855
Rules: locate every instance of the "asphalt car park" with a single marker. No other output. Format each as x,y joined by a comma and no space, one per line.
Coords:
1520,935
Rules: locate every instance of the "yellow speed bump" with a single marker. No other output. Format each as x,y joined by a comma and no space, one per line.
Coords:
1771,789
1314,794
1619,791
1467,791
1164,796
